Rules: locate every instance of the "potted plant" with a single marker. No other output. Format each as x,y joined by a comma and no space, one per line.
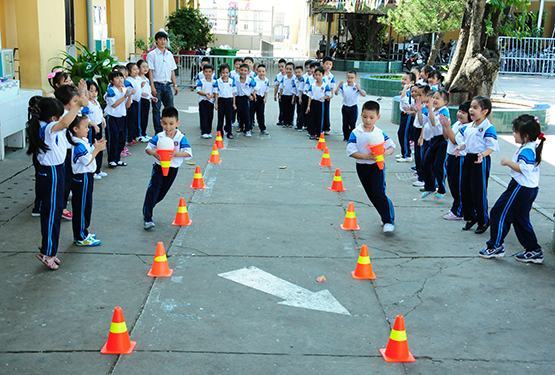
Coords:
145,47
191,28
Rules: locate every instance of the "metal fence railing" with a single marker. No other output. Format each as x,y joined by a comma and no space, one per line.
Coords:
527,55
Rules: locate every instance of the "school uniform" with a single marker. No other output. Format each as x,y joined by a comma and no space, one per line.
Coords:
372,177
476,139
162,64
277,81
349,110
234,74
50,185
454,172
205,105
133,112
421,128
159,184
514,205
298,106
308,80
116,122
261,88
95,116
83,166
405,125
434,160
243,103
144,108
226,90
318,95
200,75
330,80
287,89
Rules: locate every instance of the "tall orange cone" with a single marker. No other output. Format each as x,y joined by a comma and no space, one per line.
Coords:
378,152
350,222
321,142
337,184
165,160
182,217
219,140
198,181
326,161
363,269
118,338
397,348
160,267
214,156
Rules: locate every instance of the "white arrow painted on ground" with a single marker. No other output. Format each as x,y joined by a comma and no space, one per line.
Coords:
292,295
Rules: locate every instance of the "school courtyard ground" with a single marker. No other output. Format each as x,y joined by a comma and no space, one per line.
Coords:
267,214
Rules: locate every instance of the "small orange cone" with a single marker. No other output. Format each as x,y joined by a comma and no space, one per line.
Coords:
165,160
363,269
350,222
219,140
326,161
198,181
160,267
337,184
118,338
321,142
397,348
182,217
214,156
378,152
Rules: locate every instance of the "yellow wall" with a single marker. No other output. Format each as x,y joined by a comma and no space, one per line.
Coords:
161,12
121,26
7,23
80,14
142,19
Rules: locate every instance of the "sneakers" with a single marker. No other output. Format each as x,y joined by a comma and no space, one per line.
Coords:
229,136
481,229
121,164
112,164
418,183
206,136
102,174
35,213
67,215
90,241
248,134
388,228
488,253
439,196
404,160
451,216
97,176
530,257
327,132
148,225
299,129
426,194
264,132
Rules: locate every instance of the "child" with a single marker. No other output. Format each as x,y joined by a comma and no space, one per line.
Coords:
35,212
204,61
262,85
298,99
83,164
318,93
308,81
421,130
454,163
237,62
250,63
245,87
434,160
349,111
146,98
123,70
514,205
47,143
59,78
98,123
435,80
205,91
118,100
479,139
277,80
159,184
370,175
225,91
133,113
425,135
424,74
407,119
287,95
329,78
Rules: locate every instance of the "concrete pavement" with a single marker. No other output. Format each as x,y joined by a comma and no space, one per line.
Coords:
267,206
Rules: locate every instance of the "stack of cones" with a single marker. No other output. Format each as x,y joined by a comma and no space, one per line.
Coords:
219,140
182,217
160,267
165,160
326,161
198,181
350,222
397,348
214,156
118,338
363,269
321,142
337,184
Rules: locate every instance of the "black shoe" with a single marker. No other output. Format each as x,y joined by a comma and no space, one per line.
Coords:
481,229
229,136
469,225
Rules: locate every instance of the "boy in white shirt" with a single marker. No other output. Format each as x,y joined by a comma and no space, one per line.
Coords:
349,111
118,100
205,90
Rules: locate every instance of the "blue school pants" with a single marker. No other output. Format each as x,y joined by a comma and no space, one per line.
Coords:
434,165
158,187
116,140
373,181
51,181
243,113
403,133
454,179
225,111
81,202
475,189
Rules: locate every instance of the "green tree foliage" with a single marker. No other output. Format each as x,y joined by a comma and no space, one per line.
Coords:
191,28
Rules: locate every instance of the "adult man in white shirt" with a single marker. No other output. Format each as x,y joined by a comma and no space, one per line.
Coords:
162,77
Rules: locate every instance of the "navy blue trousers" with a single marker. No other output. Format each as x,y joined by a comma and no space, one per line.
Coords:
300,113
206,116
513,207
288,109
51,181
306,117
133,121
419,154
116,140
258,106
144,109
81,201
92,136
434,165
225,112
403,133
349,116
243,113
454,179
373,181
157,189
326,124
475,189
316,118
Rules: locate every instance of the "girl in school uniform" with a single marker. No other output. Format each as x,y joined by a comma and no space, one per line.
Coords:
47,142
97,121
35,212
134,111
146,98
479,140
514,205
407,118
225,90
318,93
83,165
454,162
423,144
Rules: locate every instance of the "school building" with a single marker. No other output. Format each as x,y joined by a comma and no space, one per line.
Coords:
39,30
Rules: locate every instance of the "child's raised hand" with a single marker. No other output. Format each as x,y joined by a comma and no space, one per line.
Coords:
505,162
100,144
443,120
480,159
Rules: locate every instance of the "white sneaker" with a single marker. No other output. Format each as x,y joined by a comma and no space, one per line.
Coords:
205,136
147,138
404,160
418,183
209,135
451,216
388,228
103,174
97,176
248,134
398,156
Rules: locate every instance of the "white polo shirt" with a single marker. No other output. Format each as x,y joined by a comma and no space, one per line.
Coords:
81,156
261,86
225,89
437,130
146,93
206,87
350,94
180,144
450,145
136,83
287,85
359,141
278,78
478,138
161,64
529,175
309,80
245,88
299,85
95,112
319,93
113,95
330,80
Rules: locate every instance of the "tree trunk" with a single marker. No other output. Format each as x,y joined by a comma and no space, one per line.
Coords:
434,52
365,33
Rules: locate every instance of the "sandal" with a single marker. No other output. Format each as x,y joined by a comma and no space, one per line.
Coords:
122,164
49,262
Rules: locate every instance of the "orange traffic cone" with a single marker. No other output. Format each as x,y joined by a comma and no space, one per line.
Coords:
350,222
182,217
214,156
363,269
118,338
198,181
165,160
337,184
326,161
219,140
160,267
321,142
397,348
